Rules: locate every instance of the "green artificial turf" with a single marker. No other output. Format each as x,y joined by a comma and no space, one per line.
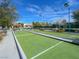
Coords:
33,44
62,51
61,34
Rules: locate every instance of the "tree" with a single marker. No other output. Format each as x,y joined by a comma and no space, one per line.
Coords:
76,17
40,24
63,23
8,13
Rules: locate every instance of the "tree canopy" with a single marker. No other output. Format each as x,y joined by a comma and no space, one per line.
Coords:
76,18
8,13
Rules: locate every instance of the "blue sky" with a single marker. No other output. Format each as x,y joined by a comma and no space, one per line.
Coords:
44,10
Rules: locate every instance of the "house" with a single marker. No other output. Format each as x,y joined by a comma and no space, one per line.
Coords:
28,26
18,25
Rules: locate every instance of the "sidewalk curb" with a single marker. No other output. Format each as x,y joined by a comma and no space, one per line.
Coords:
20,50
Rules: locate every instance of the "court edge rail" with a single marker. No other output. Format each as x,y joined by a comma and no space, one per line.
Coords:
73,41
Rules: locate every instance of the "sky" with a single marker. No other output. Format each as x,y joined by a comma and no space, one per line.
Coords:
44,10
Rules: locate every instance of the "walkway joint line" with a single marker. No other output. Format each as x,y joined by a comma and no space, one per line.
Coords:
46,50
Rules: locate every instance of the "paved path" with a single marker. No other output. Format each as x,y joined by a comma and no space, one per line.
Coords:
8,48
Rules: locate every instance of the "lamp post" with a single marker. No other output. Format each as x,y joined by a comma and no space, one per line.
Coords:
67,5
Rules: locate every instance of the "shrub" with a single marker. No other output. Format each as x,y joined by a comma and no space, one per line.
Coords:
2,34
1,37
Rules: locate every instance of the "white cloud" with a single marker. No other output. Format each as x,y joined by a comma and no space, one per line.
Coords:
48,9
34,8
73,2
31,9
48,12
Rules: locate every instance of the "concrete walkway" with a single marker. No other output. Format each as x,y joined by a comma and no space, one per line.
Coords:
8,48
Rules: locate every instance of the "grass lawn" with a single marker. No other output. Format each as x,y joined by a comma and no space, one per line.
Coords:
61,34
34,44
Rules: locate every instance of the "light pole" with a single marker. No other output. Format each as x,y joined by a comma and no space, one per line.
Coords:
67,5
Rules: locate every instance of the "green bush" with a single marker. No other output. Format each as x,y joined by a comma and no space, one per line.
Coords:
1,37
